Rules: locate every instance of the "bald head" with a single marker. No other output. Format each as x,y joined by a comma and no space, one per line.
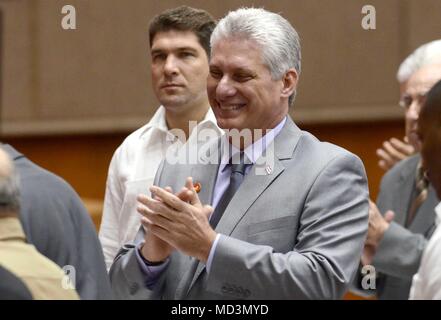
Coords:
9,192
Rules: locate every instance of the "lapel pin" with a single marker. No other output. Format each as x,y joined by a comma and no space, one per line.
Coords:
197,187
268,169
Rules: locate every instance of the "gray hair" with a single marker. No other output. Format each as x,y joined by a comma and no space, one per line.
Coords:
9,193
278,40
428,53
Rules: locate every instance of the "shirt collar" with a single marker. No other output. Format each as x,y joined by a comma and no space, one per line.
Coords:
11,229
255,150
159,122
438,213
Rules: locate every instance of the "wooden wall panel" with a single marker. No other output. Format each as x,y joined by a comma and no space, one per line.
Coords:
96,79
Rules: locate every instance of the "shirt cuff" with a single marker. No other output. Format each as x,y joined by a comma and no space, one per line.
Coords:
211,255
151,273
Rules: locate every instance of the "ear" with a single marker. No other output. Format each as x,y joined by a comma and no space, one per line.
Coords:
289,83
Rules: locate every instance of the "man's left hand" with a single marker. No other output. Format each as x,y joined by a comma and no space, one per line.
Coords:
184,225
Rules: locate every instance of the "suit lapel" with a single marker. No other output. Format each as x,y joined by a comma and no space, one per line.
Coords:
263,173
249,191
425,217
206,176
406,183
204,173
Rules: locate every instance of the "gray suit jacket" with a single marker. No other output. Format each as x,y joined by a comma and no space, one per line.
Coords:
296,233
56,222
11,287
399,253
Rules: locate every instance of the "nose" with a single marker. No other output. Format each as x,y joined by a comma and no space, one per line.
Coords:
171,66
225,88
414,110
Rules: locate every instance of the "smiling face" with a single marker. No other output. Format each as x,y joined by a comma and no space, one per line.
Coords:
241,91
179,70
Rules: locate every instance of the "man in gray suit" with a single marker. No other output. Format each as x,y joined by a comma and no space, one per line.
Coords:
397,239
287,212
56,222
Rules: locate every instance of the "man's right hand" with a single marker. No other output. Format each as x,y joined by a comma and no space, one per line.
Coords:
155,249
393,151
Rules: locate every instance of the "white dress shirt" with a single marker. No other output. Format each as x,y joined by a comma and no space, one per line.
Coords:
427,282
132,172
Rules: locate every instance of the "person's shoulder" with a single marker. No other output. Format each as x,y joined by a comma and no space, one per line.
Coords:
134,138
133,143
39,179
325,151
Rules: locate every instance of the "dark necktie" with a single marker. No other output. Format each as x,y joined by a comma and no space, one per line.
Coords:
236,179
421,187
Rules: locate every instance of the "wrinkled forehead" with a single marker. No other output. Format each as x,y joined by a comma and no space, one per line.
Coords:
236,49
176,38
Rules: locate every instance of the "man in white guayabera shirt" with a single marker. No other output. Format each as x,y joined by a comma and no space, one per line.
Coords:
180,47
427,282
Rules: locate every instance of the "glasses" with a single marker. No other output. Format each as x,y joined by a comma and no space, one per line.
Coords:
407,100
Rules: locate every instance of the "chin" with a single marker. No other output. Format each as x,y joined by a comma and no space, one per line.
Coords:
229,124
223,124
172,103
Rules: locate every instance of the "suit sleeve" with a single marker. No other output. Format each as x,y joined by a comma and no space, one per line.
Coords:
333,227
126,275
399,252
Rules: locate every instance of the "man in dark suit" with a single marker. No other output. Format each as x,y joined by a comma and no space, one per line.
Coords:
56,222
404,220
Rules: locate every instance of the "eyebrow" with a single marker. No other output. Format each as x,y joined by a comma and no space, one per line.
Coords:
236,70
179,49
